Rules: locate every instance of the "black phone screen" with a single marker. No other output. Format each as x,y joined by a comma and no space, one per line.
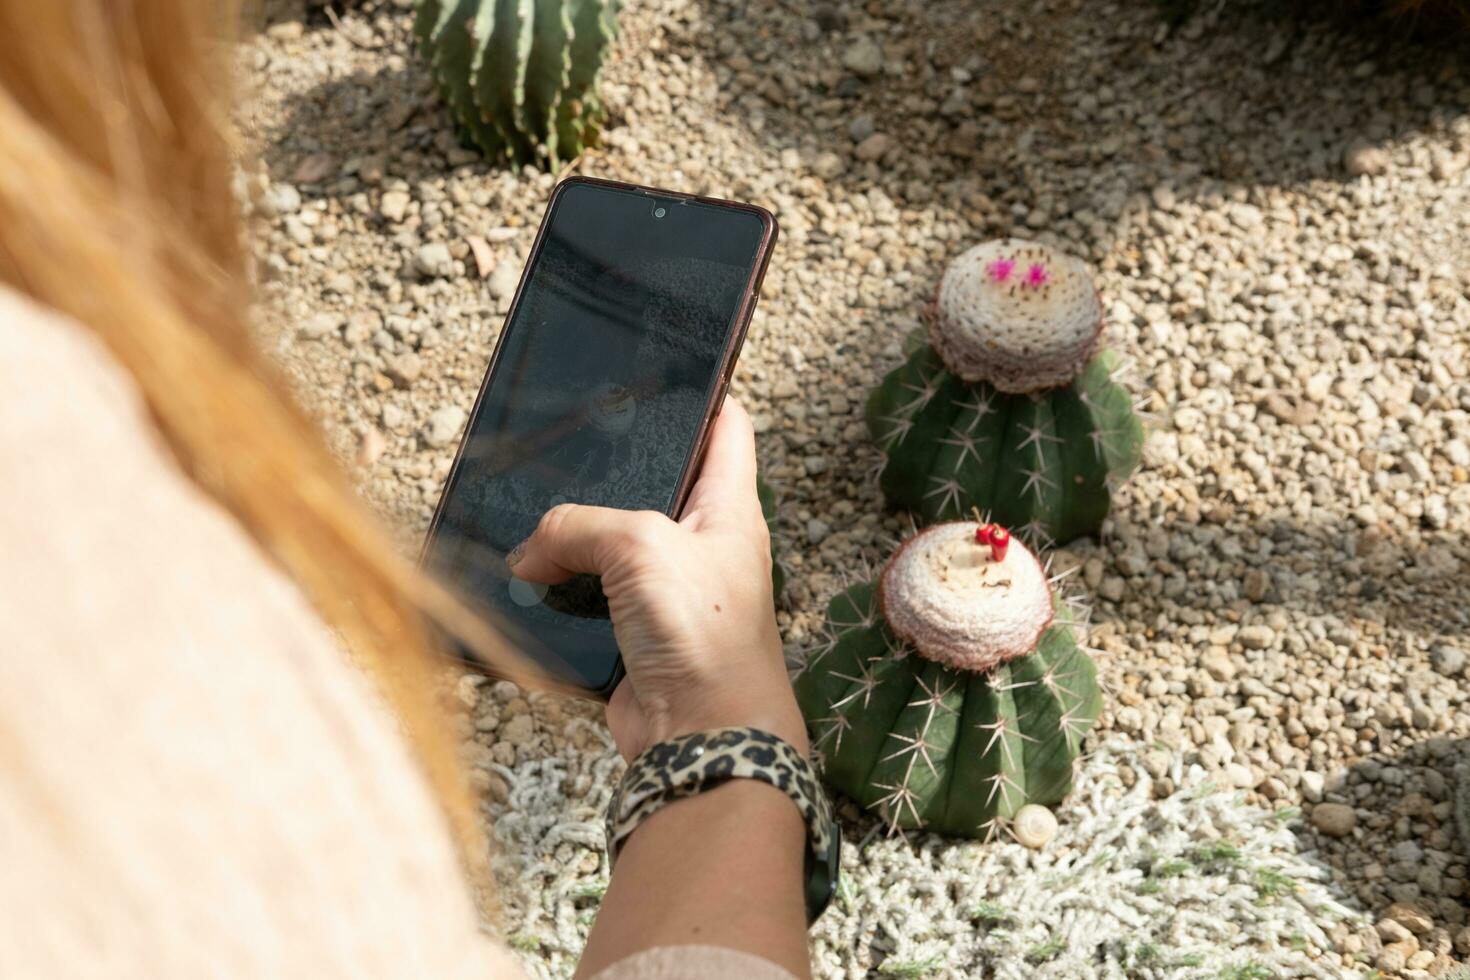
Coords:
596,395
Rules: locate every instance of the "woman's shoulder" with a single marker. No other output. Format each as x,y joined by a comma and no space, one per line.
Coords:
206,778
55,375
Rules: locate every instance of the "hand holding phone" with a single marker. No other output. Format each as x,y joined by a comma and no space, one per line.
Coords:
691,601
611,366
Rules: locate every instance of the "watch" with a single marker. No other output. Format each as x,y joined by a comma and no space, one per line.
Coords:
691,764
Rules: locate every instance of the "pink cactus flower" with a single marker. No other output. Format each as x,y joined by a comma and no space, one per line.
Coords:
1000,270
1036,275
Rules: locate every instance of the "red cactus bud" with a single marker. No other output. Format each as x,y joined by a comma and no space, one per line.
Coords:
1000,540
982,533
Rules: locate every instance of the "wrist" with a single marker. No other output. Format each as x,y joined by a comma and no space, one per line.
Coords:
772,711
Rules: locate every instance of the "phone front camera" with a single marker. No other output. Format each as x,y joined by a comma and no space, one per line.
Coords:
659,212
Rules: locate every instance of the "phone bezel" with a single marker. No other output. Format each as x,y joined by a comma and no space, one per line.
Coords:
770,230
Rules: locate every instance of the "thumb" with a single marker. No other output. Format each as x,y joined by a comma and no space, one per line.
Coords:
578,538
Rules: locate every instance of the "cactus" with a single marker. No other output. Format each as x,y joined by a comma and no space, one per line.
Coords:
520,76
952,692
767,498
1009,407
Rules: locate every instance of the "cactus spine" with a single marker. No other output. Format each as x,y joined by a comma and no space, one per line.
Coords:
520,76
1009,408
935,746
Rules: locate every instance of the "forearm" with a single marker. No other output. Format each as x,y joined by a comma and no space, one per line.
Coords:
724,868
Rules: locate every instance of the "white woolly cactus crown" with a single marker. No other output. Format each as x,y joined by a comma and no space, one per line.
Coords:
1017,314
947,595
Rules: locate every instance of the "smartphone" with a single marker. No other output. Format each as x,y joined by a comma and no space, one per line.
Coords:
610,368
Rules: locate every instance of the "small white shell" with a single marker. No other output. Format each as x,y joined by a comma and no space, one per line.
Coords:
1018,314
943,594
1034,826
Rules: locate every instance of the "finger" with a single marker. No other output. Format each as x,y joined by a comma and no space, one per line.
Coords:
577,538
726,484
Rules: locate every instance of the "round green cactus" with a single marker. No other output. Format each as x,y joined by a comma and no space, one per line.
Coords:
951,692
1009,407
520,76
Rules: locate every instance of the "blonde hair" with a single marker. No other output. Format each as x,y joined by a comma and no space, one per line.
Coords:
116,210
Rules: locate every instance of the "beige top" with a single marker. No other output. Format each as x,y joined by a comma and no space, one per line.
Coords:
193,780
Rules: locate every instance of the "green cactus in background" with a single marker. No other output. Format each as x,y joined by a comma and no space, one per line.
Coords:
953,691
1009,407
520,76
768,511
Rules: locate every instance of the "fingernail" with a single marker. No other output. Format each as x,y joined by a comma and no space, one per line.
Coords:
516,554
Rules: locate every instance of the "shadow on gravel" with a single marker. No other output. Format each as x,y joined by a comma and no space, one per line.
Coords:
1098,100
1418,583
384,120
1403,848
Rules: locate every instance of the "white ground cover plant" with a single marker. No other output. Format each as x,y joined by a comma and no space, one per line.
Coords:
1197,884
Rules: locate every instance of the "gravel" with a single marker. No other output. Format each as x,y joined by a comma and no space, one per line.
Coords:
1279,219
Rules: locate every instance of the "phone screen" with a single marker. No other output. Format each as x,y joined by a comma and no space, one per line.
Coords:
596,395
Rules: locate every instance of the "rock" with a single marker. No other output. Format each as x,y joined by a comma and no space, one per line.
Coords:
863,58
319,325
1033,826
1406,852
1447,660
286,30
1447,166
444,425
1239,776
861,128
1410,917
817,530
1288,410
361,327
1156,763
404,369
1334,819
1311,784
519,730
1257,636
1414,464
279,200
1257,584
394,205
1394,932
1218,665
1392,959
434,260
829,17
484,258
370,447
828,165
873,148
314,168
503,282
1363,159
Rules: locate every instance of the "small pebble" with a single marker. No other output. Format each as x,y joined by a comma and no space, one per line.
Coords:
1033,826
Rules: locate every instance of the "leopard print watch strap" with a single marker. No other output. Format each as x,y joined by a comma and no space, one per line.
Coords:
694,763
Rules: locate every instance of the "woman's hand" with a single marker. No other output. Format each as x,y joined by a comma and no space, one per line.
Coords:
690,601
